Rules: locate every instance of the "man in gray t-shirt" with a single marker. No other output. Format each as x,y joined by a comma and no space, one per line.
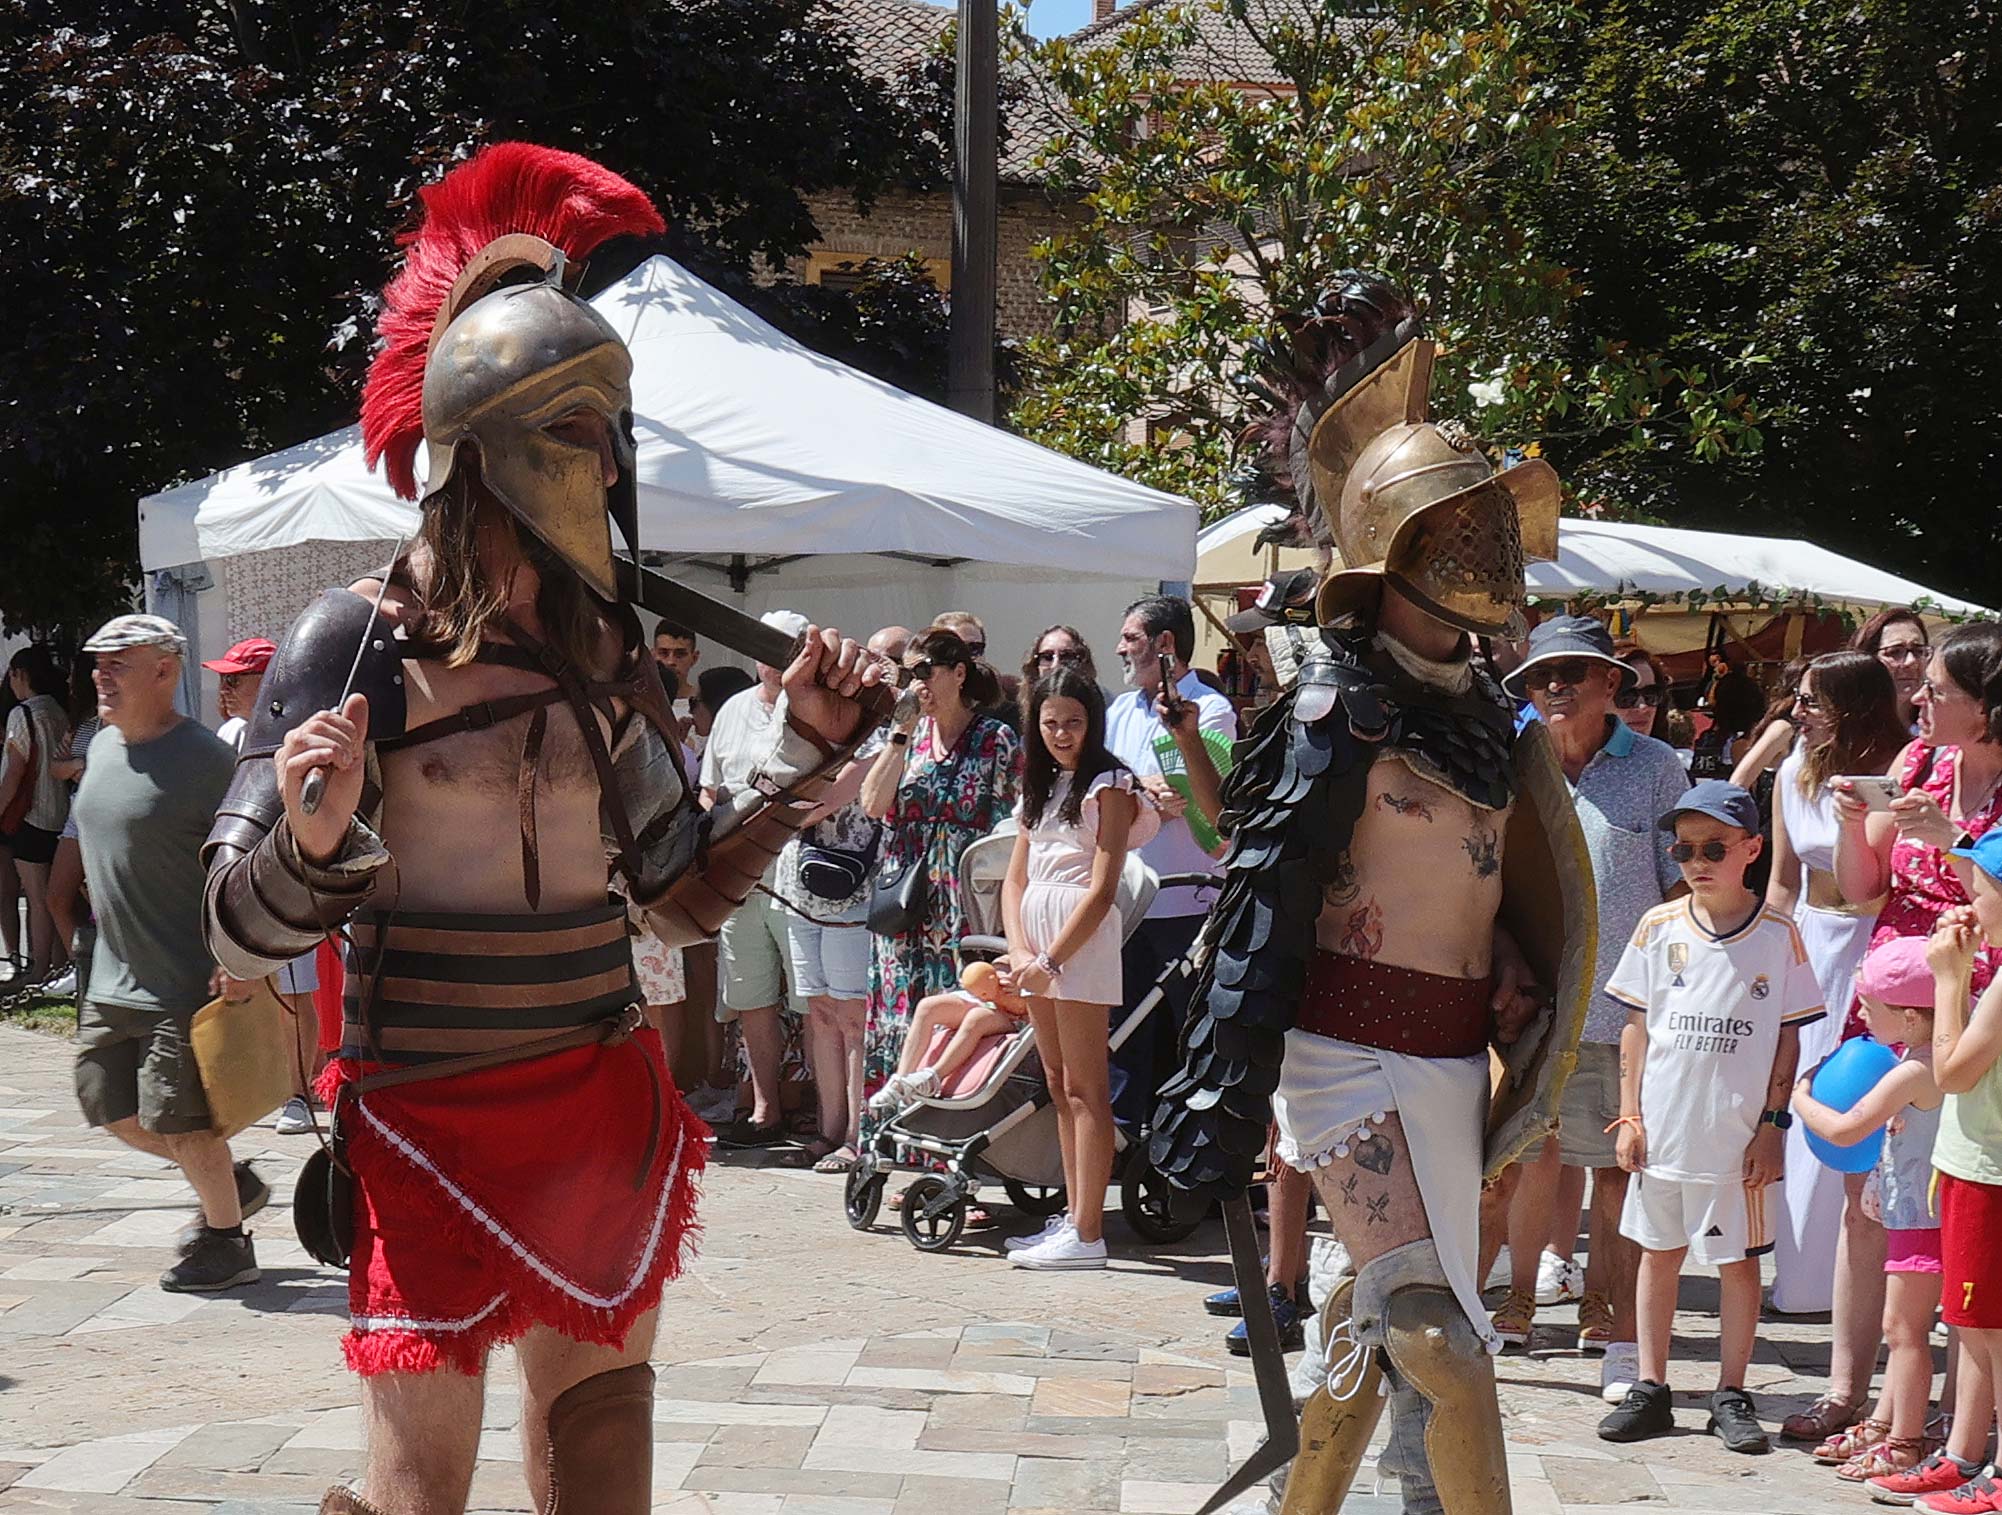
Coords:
144,808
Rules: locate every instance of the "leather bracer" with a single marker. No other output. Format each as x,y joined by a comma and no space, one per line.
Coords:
734,846
265,907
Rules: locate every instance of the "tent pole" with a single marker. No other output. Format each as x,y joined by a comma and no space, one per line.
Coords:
976,111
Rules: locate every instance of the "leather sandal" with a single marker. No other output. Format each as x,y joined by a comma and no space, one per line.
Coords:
1859,1438
1820,1420
1894,1454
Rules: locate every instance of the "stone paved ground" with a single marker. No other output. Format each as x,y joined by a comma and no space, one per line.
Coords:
806,1369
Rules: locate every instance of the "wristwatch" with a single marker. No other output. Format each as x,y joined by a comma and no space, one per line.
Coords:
900,739
1781,1119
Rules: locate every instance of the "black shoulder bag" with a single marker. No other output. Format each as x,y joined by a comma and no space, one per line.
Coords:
898,902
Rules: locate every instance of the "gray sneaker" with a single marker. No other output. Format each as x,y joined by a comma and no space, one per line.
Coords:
295,1119
214,1262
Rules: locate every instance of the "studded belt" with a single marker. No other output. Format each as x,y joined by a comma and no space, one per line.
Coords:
1395,1009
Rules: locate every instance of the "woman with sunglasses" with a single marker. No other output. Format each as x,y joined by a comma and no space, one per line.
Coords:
1056,647
1640,704
1950,777
947,775
1828,1253
1896,637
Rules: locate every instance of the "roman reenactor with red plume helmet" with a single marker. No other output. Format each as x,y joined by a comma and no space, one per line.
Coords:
452,760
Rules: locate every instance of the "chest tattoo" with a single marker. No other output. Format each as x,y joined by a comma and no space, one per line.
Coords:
1342,889
1400,804
1362,933
1483,850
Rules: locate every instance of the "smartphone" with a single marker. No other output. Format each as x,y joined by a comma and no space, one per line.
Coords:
1875,790
1171,693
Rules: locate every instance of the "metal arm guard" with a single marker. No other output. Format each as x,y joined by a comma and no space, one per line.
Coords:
265,904
704,865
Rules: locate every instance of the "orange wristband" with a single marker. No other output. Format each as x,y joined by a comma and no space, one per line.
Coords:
1626,1120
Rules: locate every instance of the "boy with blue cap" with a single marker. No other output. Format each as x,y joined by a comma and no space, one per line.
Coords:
1717,987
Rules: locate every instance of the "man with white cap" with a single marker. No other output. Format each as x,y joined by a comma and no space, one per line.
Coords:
144,806
754,942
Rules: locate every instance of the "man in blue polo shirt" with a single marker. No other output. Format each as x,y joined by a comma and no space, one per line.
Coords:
1622,783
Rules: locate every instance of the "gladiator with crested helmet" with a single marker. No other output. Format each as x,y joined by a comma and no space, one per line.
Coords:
495,790
1396,968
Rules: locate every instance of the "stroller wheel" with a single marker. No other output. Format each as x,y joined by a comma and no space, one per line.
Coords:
934,1214
862,1196
1151,1205
1034,1199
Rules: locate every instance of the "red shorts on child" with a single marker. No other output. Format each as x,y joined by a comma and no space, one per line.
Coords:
1970,1232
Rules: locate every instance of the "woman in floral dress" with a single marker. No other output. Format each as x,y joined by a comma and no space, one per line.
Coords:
946,777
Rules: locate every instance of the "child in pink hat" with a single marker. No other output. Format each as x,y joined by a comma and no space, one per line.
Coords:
1896,989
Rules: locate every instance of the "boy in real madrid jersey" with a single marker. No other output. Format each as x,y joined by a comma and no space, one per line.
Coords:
1718,987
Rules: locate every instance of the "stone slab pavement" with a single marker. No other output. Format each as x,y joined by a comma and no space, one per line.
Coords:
805,1368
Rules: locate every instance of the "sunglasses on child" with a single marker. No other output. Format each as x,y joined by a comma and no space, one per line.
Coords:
1710,852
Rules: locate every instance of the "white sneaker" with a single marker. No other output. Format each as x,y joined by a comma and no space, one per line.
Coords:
1064,1251
1058,1222
1502,1273
1620,1370
62,985
295,1119
1558,1282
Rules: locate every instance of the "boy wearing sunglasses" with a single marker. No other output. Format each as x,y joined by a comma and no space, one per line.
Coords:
1717,987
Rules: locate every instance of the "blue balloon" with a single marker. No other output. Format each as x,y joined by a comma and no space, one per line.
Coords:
1851,1072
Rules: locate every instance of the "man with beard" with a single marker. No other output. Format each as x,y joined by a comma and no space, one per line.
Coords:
1156,641
1403,871
507,735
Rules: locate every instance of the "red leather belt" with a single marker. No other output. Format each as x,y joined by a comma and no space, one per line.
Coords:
1395,1009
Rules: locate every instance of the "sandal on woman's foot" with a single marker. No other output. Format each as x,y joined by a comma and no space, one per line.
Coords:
1820,1420
840,1160
1859,1438
1895,1454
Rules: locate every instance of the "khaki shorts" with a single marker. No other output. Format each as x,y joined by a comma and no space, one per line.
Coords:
139,1062
1591,1102
755,947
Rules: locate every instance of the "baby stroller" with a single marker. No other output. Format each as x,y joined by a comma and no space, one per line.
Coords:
993,1122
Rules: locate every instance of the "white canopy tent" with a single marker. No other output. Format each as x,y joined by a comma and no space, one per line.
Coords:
774,474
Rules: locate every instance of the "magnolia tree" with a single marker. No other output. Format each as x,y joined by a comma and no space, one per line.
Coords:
1415,140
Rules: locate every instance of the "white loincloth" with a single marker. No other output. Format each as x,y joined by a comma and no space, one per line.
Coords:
1330,1092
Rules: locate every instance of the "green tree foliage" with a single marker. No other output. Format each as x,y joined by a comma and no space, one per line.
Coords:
1820,185
1410,141
198,200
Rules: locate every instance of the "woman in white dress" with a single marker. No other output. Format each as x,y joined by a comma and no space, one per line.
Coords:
1845,708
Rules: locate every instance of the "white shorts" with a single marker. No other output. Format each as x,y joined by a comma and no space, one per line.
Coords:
1719,1220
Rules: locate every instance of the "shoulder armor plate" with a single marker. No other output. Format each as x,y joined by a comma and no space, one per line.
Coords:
307,675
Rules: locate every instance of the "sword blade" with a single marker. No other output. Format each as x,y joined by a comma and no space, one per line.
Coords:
1268,1363
707,616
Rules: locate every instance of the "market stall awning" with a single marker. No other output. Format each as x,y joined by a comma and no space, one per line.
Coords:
749,443
1608,560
